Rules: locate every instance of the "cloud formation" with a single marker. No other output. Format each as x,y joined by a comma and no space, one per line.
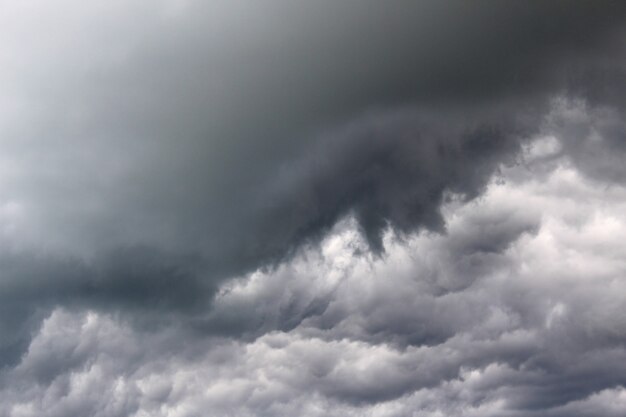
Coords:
164,123
450,324
408,208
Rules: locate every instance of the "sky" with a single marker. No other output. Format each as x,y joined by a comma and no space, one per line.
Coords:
312,209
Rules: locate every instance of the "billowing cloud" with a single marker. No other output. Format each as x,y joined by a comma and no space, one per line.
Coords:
519,317
342,208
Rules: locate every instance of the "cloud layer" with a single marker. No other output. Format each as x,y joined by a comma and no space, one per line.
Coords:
409,208
515,311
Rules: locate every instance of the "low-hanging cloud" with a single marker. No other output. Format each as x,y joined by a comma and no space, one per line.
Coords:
167,167
523,336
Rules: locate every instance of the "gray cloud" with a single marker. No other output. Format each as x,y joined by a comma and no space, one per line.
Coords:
141,281
524,337
397,182
169,166
175,115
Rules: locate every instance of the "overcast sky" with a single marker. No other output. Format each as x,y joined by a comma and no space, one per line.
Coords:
325,208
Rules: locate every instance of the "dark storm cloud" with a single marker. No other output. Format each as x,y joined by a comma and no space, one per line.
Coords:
389,171
151,152
183,126
175,121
